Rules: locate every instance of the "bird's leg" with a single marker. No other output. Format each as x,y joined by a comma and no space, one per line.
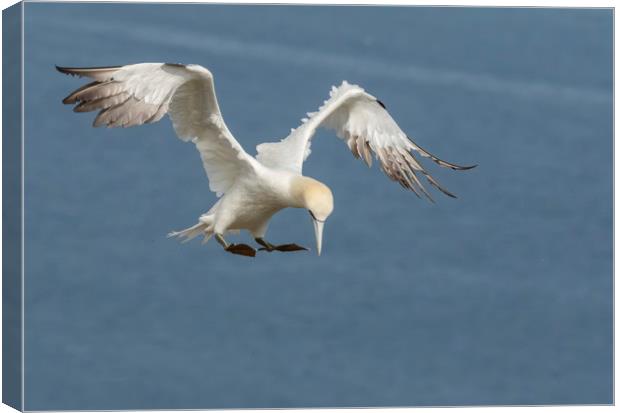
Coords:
267,246
240,249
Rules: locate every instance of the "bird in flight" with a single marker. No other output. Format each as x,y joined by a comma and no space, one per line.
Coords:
251,189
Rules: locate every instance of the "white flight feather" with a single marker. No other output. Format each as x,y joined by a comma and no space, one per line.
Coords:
364,124
187,95
348,110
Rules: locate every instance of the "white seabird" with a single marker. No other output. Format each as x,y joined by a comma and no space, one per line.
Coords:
251,189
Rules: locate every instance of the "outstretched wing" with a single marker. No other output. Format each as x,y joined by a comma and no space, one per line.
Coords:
143,93
367,128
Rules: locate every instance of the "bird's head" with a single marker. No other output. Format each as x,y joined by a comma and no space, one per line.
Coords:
317,198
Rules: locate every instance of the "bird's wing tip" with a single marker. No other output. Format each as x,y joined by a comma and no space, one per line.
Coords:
93,72
71,71
466,168
62,69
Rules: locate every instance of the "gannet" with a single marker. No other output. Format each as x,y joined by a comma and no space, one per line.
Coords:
251,189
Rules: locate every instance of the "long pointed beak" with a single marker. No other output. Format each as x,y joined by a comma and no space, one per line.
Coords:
318,232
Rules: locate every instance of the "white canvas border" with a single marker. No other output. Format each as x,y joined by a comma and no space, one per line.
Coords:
477,3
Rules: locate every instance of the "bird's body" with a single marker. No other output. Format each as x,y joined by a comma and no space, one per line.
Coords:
253,200
251,189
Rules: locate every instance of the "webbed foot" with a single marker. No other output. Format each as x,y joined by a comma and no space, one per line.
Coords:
290,248
241,249
282,247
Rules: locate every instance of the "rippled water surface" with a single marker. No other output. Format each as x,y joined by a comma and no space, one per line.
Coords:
502,296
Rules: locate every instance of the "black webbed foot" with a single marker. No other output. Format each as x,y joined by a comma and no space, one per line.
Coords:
282,247
241,249
290,248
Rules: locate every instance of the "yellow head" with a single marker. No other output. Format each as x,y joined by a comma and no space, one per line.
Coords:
317,198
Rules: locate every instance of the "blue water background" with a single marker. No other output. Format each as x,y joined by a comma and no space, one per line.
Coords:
502,296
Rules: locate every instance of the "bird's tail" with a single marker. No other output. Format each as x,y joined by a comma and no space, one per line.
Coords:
204,227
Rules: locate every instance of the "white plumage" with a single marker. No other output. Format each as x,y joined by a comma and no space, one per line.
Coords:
251,189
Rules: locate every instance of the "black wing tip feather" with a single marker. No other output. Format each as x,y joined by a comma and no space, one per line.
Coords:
466,168
441,162
462,168
65,70
447,193
72,71
82,71
450,165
